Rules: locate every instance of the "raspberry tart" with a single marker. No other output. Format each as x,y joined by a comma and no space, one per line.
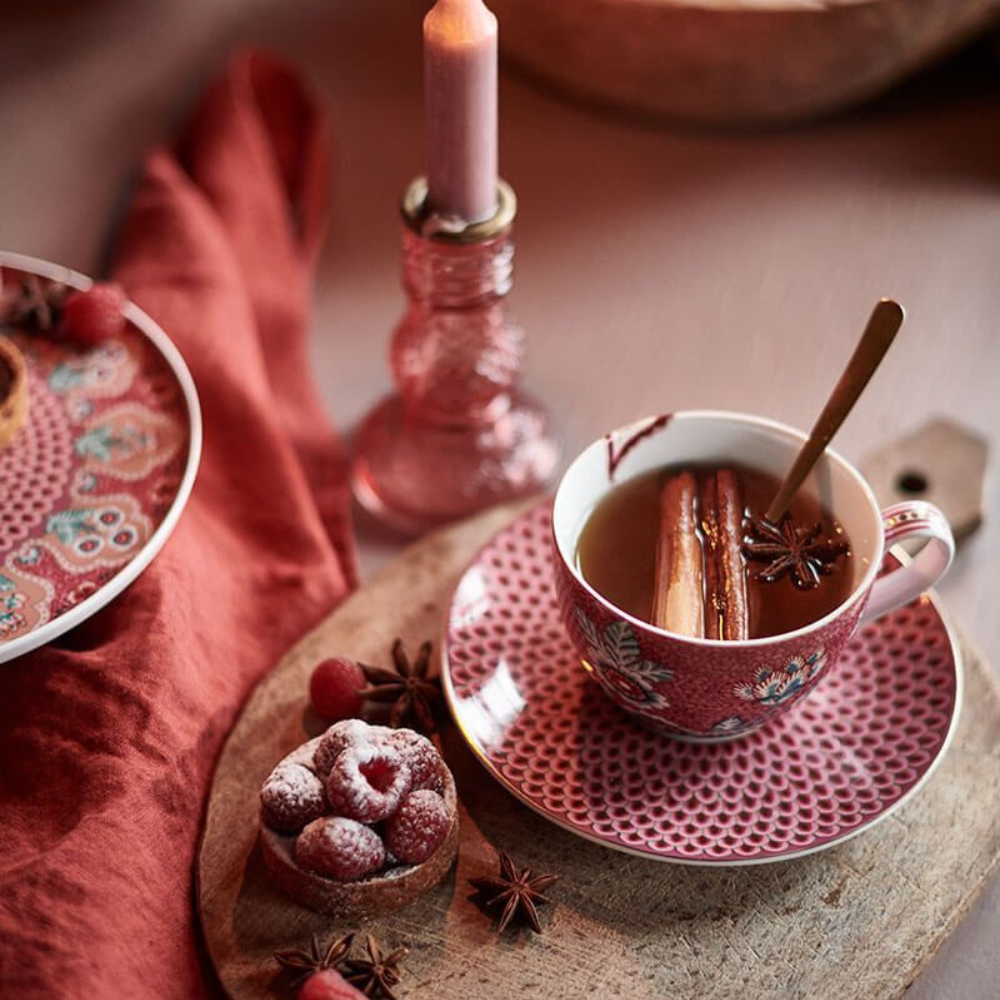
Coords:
13,392
359,821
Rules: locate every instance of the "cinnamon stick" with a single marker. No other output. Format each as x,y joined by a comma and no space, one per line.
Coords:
714,591
725,581
677,591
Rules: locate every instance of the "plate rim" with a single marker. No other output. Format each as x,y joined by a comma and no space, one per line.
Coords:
131,571
451,700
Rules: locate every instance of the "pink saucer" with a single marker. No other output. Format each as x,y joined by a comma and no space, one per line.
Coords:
853,752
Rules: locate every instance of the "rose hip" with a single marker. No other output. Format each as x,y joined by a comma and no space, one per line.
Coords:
339,847
329,984
418,827
95,315
335,688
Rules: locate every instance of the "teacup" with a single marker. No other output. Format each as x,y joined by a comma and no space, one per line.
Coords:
709,690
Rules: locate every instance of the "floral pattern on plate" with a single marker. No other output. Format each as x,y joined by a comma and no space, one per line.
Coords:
94,473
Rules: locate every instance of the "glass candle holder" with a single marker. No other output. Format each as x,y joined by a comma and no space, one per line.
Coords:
457,435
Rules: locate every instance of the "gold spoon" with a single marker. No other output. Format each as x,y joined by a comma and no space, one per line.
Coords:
883,325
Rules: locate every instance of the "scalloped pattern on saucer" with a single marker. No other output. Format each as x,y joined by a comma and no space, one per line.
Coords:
834,765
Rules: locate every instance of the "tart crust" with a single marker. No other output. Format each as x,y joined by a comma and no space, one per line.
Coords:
13,391
368,897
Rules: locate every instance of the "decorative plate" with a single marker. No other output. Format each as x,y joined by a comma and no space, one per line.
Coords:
846,757
96,481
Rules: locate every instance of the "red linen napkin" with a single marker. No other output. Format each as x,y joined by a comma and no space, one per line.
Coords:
108,738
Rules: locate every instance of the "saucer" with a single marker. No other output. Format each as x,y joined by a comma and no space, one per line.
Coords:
95,482
834,765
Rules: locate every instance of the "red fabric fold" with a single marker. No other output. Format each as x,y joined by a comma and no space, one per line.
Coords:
109,736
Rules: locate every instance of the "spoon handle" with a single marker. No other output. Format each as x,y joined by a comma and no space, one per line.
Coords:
883,325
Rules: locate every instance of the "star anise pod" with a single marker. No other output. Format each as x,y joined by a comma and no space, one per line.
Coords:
519,891
375,975
408,688
788,549
305,963
36,306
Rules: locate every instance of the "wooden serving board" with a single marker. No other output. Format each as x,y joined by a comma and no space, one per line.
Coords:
854,923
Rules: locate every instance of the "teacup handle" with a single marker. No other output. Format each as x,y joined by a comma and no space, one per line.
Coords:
914,519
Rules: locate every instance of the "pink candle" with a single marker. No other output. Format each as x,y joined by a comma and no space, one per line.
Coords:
460,98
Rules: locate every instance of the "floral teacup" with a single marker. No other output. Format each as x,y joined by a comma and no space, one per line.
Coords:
706,689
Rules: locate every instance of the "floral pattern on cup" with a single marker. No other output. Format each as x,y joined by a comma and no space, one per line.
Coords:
618,663
775,687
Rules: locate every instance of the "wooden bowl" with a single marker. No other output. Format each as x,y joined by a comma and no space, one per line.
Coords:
13,391
370,896
732,62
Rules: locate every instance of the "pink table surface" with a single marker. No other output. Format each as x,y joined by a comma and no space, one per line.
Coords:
658,269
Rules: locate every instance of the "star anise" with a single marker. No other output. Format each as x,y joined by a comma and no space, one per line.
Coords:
409,689
305,963
788,549
35,306
519,891
375,975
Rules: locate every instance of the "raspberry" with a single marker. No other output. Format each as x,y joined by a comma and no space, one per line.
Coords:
95,315
335,688
339,847
329,984
426,765
348,732
368,781
418,827
291,797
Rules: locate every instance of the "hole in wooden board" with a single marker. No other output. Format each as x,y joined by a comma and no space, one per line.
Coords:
913,483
